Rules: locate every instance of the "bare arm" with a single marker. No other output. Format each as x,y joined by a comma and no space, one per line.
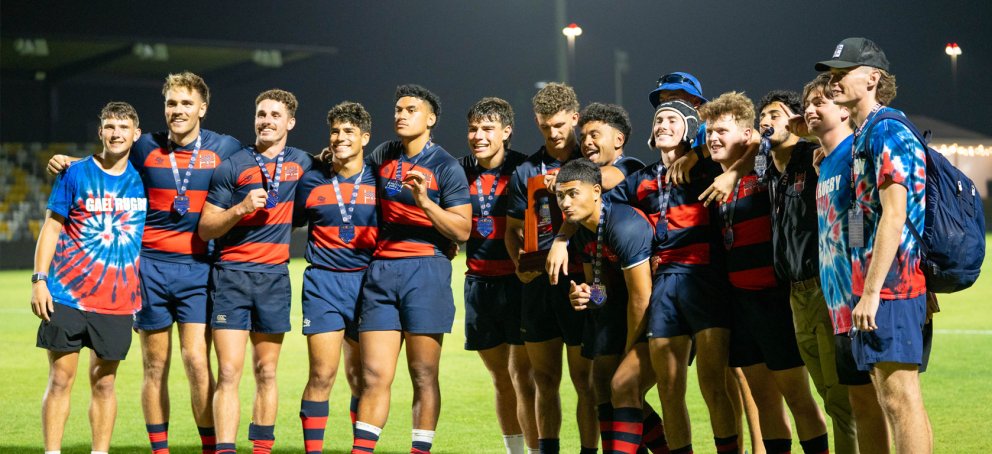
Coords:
455,223
558,255
612,176
638,279
59,163
887,237
41,298
725,182
216,221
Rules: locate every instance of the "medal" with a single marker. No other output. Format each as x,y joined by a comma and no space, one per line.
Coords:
597,295
727,212
728,238
597,291
395,185
272,198
346,232
180,204
485,226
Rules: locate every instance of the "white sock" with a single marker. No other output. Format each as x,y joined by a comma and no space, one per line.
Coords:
514,444
54,452
426,436
98,452
368,428
533,451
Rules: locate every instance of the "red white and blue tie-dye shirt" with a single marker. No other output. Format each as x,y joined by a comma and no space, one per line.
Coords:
95,266
888,151
833,198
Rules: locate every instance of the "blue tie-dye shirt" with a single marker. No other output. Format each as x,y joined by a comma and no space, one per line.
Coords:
833,198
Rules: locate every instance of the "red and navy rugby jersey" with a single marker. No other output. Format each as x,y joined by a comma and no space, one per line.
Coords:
317,206
536,164
626,244
260,241
749,260
628,165
690,239
487,256
168,236
404,230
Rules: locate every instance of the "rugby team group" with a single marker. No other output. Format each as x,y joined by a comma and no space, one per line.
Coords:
769,245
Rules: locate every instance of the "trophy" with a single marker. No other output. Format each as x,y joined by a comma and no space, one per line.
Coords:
542,219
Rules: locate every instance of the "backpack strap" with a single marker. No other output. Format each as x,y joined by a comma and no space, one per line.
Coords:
923,139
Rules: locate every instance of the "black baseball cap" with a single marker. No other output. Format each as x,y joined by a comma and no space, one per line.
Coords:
853,52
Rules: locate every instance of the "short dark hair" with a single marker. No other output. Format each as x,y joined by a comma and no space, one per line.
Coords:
419,92
611,114
494,109
790,98
580,169
350,112
278,95
120,111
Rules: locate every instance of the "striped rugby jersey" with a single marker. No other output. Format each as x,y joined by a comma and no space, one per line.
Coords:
405,231
689,240
749,260
260,241
487,256
168,236
317,206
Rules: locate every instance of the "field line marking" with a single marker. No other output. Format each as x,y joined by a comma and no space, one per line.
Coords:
972,332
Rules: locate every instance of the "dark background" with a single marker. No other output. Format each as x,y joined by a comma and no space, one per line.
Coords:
466,49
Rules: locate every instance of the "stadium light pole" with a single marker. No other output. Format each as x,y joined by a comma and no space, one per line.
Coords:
953,50
570,32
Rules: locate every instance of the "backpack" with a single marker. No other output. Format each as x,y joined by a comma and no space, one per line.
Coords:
953,237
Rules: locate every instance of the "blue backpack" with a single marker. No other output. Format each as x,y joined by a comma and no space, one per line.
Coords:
953,237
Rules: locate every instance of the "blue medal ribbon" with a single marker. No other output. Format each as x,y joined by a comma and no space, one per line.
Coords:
180,203
346,231
395,185
273,193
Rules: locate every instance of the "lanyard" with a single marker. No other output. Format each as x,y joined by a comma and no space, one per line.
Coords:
664,195
414,162
272,182
181,185
727,212
486,203
346,214
597,263
854,148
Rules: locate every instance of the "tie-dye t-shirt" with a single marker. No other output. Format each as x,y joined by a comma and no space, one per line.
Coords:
888,151
833,198
95,266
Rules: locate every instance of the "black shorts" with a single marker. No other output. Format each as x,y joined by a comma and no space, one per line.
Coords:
548,314
763,330
492,311
71,329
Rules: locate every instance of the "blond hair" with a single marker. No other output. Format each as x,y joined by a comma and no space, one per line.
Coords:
732,103
555,97
189,81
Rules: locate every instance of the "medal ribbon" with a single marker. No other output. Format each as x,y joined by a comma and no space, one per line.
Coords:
181,185
347,214
272,182
486,203
597,263
414,162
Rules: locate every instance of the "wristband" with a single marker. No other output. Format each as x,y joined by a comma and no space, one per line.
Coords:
39,277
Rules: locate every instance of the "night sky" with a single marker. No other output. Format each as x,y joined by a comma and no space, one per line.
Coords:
465,49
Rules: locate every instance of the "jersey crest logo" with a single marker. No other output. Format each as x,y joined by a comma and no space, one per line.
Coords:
207,161
292,172
369,195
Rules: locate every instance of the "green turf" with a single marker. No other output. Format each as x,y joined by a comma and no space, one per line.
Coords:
956,388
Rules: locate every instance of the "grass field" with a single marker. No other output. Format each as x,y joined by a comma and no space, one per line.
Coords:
957,388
